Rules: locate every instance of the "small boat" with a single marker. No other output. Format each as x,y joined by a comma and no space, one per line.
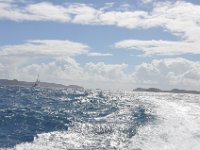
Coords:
37,82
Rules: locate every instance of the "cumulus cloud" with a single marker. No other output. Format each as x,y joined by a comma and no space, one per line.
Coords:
54,61
60,70
4,71
69,71
165,73
160,47
108,72
169,73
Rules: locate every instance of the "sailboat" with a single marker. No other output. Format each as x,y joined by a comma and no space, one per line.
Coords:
37,82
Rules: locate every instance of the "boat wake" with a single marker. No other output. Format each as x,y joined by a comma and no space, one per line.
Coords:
57,119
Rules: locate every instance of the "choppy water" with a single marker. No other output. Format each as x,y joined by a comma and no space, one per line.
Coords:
39,119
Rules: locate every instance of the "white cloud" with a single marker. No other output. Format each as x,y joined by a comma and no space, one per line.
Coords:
68,71
6,1
99,54
83,14
41,48
43,11
128,19
146,1
11,12
175,17
107,76
169,73
165,74
107,72
15,57
53,60
43,51
160,47
61,70
4,71
179,18
47,11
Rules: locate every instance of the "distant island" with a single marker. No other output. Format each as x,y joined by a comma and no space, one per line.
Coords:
6,82
168,91
15,82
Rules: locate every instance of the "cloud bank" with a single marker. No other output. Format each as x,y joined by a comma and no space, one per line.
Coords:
25,61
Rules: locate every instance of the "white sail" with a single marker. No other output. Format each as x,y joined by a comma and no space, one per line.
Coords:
37,82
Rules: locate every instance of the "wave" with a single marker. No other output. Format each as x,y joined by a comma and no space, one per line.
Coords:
57,119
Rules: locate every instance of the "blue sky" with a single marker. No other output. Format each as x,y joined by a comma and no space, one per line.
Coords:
108,44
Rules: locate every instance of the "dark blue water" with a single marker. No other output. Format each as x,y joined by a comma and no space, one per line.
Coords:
26,112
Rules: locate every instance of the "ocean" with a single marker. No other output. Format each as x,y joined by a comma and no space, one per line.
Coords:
47,119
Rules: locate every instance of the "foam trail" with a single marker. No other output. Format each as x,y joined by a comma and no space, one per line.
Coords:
127,120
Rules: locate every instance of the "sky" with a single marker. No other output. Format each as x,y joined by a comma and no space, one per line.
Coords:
121,44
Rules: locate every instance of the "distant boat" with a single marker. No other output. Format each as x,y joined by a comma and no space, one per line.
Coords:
37,82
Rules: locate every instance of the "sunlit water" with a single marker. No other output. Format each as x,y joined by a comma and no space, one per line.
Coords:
41,119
